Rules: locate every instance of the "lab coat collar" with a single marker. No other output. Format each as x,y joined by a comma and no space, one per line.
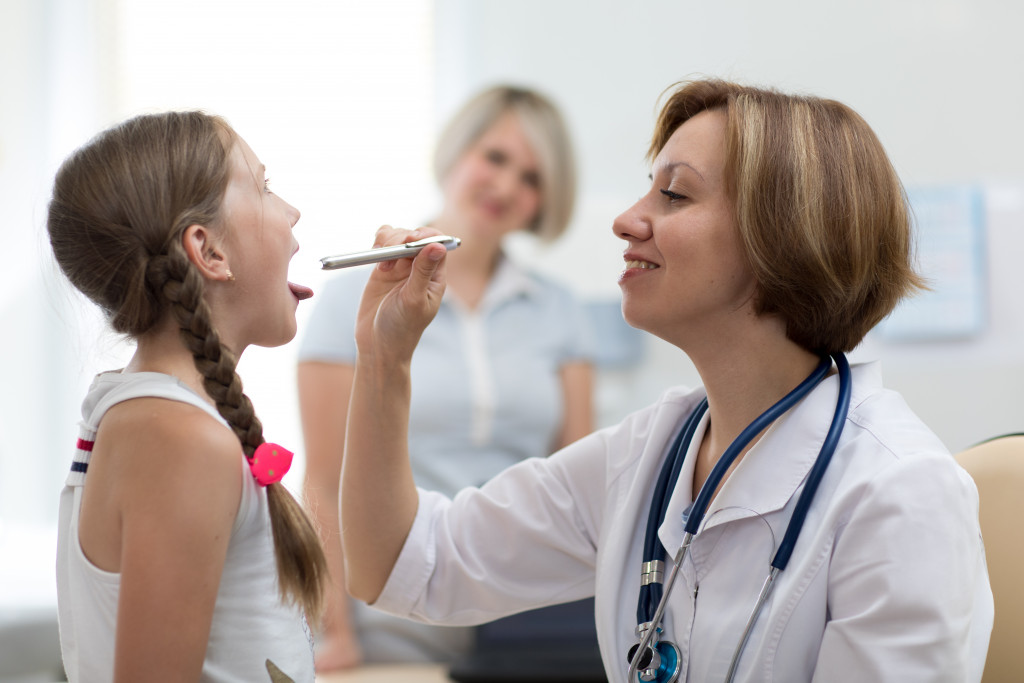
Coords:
775,467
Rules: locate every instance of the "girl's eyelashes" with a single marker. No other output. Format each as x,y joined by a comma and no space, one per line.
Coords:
673,196
266,185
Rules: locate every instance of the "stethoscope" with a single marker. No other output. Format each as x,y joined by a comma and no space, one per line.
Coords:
660,659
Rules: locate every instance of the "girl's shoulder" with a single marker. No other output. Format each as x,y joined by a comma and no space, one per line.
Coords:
153,448
160,435
159,425
160,472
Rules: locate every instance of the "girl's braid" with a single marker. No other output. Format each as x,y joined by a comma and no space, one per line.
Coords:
182,285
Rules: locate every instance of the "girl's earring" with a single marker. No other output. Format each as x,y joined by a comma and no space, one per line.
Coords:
231,276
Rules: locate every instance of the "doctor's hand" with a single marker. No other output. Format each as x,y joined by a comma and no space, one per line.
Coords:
401,297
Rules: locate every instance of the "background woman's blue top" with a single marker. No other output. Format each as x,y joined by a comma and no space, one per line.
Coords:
486,390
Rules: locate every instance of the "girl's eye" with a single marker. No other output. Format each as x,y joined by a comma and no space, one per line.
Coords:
266,184
673,196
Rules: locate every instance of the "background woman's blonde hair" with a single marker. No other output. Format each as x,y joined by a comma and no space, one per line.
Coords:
119,208
821,213
546,131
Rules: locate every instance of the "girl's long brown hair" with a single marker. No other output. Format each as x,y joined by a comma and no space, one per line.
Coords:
119,209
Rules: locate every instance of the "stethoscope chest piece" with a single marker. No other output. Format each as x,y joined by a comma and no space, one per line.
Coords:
659,662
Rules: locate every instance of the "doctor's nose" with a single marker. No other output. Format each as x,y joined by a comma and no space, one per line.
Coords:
632,224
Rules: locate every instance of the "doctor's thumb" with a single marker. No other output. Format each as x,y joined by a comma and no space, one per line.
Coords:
431,259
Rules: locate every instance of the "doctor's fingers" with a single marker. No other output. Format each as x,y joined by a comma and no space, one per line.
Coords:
425,285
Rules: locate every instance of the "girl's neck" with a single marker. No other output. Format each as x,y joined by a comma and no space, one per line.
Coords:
161,350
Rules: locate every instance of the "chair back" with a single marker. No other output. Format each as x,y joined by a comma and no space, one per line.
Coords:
997,467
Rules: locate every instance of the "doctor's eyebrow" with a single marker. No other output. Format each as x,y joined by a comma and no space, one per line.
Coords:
672,165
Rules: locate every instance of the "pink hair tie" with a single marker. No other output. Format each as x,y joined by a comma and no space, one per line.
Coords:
269,463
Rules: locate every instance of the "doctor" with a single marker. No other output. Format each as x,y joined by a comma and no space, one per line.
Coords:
775,232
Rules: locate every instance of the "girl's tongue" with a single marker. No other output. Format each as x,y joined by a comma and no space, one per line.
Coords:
300,291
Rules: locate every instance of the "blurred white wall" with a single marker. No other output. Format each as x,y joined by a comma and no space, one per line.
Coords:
53,94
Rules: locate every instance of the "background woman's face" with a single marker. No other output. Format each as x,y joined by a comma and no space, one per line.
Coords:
494,188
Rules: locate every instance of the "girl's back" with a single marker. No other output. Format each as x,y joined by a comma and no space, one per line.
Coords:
252,632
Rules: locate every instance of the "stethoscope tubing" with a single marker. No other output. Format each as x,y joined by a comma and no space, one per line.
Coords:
651,593
674,464
707,491
695,513
645,642
828,448
762,597
803,503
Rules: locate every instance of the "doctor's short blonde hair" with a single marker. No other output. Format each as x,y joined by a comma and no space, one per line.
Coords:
822,216
548,136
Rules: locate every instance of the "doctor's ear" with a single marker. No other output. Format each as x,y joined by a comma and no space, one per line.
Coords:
203,250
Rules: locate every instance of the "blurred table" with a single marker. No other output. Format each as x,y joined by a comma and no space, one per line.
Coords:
402,673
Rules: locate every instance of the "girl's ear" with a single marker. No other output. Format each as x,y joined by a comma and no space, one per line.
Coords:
205,253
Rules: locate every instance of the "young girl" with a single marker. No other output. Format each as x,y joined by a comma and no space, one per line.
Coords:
180,556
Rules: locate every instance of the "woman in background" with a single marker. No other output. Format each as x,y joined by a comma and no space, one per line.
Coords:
502,375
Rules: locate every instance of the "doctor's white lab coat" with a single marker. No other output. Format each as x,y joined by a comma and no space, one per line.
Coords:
887,581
